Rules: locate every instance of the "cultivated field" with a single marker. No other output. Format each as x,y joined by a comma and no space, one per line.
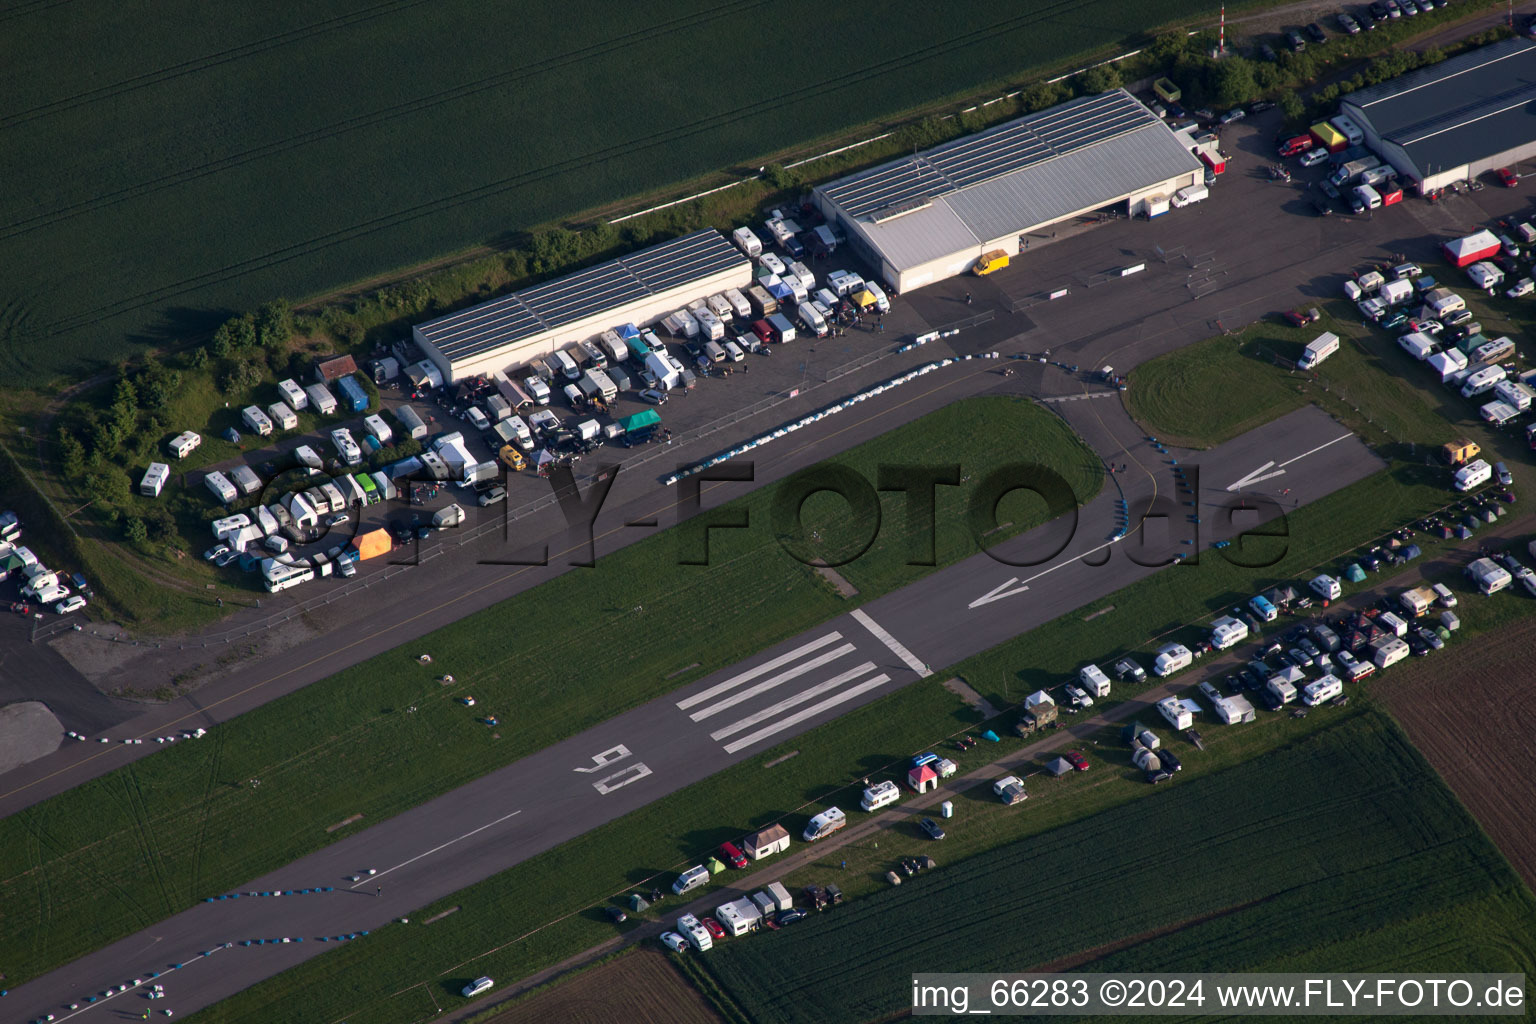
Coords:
164,166
639,988
1476,723
1279,860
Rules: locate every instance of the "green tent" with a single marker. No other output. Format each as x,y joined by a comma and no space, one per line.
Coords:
640,421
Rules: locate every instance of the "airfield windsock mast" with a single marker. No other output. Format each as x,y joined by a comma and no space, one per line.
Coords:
1221,46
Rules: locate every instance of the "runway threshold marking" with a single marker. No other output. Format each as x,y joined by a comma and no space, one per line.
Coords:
896,646
753,673
435,849
789,702
793,672
810,712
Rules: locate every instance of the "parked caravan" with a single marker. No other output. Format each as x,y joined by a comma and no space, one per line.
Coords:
1420,346
881,794
153,481
346,447
1369,198
321,398
1517,393
222,489
812,319
1481,381
282,416
1492,351
379,428
256,421
761,301
721,307
293,395
1473,474
1321,690
844,283
681,324
739,304
245,478
604,384
410,422
184,444
748,241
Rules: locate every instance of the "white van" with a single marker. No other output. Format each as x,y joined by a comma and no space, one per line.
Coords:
535,386
1444,596
824,824
1368,196
1473,474
1320,690
1094,680
566,365
813,320
691,879
882,302
1189,195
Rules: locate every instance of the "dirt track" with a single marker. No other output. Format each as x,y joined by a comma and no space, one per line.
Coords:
642,988
1474,720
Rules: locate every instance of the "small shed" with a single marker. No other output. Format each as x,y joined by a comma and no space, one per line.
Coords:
1058,766
771,840
923,778
330,370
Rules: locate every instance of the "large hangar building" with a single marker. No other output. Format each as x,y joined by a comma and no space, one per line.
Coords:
639,288
1456,119
927,217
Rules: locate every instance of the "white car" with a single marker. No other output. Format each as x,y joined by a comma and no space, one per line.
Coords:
673,941
1079,696
1313,157
1233,115
72,604
477,986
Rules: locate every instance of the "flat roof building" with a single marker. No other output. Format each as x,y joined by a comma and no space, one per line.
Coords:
1456,119
929,216
639,288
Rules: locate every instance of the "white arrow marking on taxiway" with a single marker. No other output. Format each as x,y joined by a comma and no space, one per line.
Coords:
1257,476
999,592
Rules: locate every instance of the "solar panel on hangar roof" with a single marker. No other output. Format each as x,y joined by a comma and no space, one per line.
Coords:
681,260
483,327
582,294
1001,150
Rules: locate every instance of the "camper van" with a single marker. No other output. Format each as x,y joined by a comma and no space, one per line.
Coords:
1320,690
1473,474
824,824
1326,587
1093,679
739,304
566,365
748,241
1171,658
881,794
1481,381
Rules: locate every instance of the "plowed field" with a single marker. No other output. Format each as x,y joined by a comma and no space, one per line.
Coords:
642,988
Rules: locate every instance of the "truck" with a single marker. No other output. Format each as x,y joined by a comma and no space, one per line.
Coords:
1347,174
1460,451
1320,348
1189,195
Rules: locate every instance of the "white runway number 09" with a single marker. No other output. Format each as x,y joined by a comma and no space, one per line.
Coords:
619,779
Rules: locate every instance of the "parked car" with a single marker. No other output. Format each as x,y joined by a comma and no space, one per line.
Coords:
1076,759
1316,32
214,552
616,914
1313,157
794,914
1294,41
1507,177
493,496
1301,659
1502,472
652,395
931,828
715,928
1126,670
1169,760
673,941
1235,114
1079,696
1349,24
732,855
69,604
336,519
1268,52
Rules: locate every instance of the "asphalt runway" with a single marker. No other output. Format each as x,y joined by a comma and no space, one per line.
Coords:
565,790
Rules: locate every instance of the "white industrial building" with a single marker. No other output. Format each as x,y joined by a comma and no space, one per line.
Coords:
1454,120
639,288
929,216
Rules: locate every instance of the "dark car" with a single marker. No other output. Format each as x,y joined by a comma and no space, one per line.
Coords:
1306,644
1322,206
1378,11
616,915
1316,32
931,828
790,916
1156,775
1296,656
1416,645
1250,678
1328,189
1168,759
1268,701
1349,24
1268,52
1430,637
1294,41
1234,684
1270,650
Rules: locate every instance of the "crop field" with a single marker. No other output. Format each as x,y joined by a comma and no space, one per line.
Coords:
167,165
350,730
641,987
1474,722
1334,828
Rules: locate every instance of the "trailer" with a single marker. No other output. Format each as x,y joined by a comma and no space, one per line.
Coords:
410,422
153,481
321,398
1467,250
739,304
222,489
748,241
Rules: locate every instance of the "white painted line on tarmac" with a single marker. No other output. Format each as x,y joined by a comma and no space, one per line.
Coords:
810,712
772,681
789,702
1314,451
895,645
993,595
434,849
751,674
1256,476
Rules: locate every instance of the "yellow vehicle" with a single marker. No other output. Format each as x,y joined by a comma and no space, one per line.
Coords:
1460,451
513,459
991,261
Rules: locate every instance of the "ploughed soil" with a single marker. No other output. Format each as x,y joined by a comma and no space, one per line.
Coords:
1474,718
641,988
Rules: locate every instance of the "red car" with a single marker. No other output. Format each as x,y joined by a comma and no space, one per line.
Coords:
732,855
1507,177
1076,759
715,928
1302,317
1298,144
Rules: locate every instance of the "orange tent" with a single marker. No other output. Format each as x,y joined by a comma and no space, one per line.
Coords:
372,544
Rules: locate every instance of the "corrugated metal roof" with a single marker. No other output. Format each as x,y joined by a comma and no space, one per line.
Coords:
511,318
1460,110
1093,153
1007,147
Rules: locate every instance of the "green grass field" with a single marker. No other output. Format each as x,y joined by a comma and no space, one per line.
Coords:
238,155
210,831
1306,849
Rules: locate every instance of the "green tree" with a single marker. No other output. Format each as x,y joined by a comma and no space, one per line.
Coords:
71,455
135,530
1166,47
125,394
273,324
1292,107
198,359
780,178
930,131
1232,82
1100,79
1040,95
972,121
